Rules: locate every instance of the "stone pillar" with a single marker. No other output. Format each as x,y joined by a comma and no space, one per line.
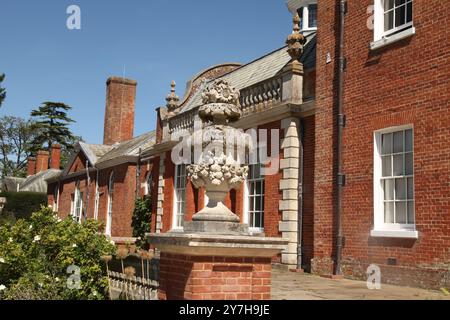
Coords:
206,267
289,186
160,200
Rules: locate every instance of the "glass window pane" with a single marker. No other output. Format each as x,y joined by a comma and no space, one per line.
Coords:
388,4
409,166
386,143
258,204
386,166
389,20
408,140
257,220
389,189
409,12
410,188
252,221
400,189
398,141
411,212
251,203
399,2
398,165
400,15
259,187
312,15
400,212
389,212
300,14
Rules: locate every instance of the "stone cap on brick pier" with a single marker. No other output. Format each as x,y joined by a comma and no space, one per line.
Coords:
217,245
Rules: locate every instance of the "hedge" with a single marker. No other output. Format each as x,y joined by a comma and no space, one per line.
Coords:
23,204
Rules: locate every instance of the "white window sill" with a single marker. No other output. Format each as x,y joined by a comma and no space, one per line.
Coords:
393,38
410,234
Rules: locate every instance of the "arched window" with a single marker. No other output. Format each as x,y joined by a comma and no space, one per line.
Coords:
110,204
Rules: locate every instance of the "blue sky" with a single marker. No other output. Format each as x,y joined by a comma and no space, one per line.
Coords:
156,40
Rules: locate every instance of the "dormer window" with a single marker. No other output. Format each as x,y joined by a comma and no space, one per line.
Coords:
307,12
393,20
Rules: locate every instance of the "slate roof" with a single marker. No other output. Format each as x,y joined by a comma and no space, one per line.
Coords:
34,183
130,147
258,70
95,151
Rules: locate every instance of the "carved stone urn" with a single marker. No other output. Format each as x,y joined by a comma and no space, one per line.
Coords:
220,166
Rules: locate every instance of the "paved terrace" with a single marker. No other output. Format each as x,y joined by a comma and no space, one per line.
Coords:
296,286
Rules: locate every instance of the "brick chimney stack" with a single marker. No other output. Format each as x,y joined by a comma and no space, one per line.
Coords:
31,166
42,161
119,113
55,157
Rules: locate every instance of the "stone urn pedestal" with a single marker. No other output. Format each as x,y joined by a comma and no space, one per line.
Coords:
215,257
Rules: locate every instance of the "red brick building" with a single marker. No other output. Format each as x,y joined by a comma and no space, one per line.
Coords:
360,174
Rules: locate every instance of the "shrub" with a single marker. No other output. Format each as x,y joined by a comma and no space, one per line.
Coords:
40,257
142,218
22,204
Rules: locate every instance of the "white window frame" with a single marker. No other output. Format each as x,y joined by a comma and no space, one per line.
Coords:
148,183
179,201
109,207
96,200
305,26
381,37
56,198
382,229
247,213
76,206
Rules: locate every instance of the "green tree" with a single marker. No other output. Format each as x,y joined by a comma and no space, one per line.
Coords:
2,90
53,123
142,218
16,136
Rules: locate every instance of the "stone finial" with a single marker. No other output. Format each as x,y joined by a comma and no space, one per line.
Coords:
221,103
172,99
296,40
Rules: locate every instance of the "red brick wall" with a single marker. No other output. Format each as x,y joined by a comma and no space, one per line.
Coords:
325,120
308,191
123,199
214,278
169,172
403,83
272,194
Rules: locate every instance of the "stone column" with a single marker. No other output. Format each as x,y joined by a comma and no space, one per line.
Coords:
160,200
289,186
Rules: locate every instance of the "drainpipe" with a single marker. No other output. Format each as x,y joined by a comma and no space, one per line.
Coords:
300,197
341,125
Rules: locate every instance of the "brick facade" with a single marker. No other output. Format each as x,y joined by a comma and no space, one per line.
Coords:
214,278
404,83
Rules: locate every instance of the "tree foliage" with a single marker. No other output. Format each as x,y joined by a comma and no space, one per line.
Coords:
16,136
142,218
2,90
39,259
53,122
